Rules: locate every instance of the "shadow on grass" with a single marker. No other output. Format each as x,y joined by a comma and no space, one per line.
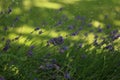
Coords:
78,22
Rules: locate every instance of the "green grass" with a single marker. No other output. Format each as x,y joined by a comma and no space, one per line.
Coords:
28,57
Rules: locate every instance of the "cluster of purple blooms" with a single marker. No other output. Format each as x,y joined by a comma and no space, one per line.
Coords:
30,51
63,49
56,41
1,78
7,45
60,40
49,65
114,35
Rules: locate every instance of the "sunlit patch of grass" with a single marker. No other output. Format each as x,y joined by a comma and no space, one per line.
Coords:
47,4
53,33
24,29
29,30
75,38
90,38
97,24
116,22
117,46
35,36
69,1
27,4
12,68
12,35
17,11
103,46
42,4
22,40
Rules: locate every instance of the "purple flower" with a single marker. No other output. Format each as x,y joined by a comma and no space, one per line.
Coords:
9,10
80,28
109,47
89,25
53,61
16,19
6,47
1,78
77,17
108,26
82,18
99,29
56,41
67,75
49,66
5,28
58,23
74,33
36,29
63,49
114,32
114,37
30,53
32,47
70,27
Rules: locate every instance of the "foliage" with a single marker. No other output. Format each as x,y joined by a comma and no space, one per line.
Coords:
59,40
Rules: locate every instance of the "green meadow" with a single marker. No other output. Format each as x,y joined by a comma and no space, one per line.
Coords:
59,39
